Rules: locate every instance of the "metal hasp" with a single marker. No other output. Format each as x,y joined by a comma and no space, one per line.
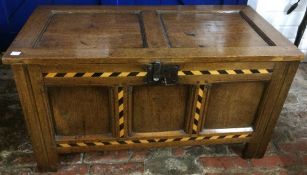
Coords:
158,73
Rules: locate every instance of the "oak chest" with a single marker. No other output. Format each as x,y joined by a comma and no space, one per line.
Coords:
107,78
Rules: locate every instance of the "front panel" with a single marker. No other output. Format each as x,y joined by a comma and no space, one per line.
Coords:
159,108
97,106
79,111
233,105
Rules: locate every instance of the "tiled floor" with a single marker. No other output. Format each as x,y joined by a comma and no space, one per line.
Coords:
287,153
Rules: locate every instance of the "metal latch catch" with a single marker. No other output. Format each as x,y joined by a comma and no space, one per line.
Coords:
158,73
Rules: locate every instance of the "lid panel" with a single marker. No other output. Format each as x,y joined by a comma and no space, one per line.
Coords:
143,34
91,30
192,30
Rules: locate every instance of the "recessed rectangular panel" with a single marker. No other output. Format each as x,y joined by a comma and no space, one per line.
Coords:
233,105
210,30
159,108
80,110
91,30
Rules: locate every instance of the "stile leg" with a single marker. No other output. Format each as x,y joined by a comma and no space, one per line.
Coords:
270,108
42,142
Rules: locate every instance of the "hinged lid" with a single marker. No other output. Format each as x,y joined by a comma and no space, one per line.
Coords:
105,34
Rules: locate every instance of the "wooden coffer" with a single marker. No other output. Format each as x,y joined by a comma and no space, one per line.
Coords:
107,78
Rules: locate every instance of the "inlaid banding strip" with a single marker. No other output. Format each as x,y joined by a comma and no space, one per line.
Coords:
93,74
121,115
156,140
226,72
197,114
143,74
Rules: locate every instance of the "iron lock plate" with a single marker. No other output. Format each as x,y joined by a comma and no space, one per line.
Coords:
158,73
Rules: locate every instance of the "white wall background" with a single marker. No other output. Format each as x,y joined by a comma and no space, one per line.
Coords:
274,11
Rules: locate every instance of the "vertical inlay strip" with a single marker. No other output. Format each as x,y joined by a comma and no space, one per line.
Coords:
198,106
121,115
